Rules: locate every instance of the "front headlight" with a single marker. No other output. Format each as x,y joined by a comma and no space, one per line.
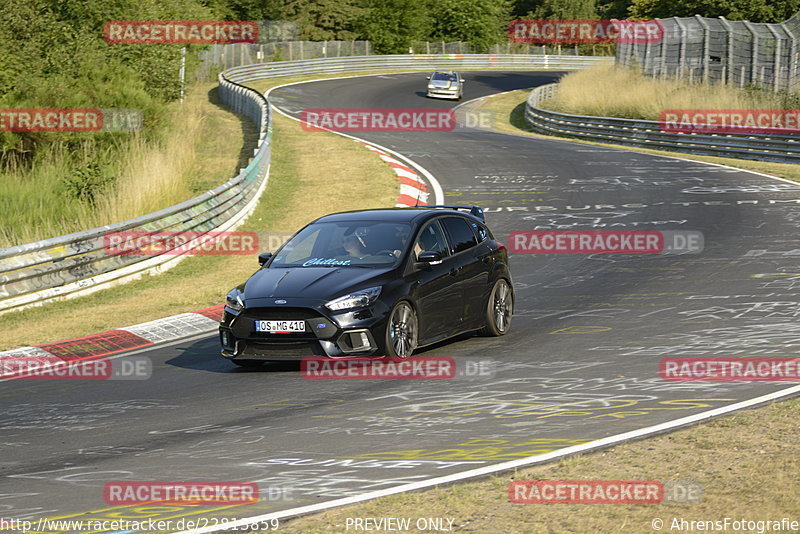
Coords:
234,300
354,300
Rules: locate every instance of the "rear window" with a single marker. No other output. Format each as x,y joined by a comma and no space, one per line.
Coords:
461,236
444,76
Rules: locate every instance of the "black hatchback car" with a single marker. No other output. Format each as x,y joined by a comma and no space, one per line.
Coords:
374,282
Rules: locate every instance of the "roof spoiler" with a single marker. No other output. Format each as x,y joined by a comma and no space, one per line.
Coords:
475,211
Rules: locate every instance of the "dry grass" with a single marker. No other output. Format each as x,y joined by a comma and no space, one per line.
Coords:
156,176
746,463
611,91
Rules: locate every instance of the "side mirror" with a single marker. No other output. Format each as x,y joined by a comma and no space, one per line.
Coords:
430,257
264,258
427,77
462,80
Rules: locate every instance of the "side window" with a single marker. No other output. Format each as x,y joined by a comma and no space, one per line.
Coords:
481,231
431,238
461,236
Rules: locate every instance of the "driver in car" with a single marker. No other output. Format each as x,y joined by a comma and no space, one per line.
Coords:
354,246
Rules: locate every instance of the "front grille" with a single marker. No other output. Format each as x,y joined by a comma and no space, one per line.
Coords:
244,326
279,313
285,350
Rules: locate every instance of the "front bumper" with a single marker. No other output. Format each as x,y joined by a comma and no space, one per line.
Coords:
343,334
442,93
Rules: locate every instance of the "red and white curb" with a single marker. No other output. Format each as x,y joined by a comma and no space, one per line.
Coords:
124,339
413,191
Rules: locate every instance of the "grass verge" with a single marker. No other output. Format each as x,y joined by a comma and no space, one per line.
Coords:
312,173
611,91
746,464
508,111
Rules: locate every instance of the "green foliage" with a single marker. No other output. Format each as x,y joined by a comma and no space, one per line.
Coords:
87,182
613,9
52,55
393,25
481,23
317,20
565,9
752,10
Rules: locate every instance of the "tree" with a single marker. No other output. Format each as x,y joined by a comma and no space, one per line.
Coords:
752,10
565,9
392,26
481,23
613,9
317,20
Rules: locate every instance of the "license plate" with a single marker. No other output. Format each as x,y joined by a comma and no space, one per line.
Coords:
280,327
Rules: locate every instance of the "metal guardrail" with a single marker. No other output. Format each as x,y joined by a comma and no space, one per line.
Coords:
648,134
423,62
76,264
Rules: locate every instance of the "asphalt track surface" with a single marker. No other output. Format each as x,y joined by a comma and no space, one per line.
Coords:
580,363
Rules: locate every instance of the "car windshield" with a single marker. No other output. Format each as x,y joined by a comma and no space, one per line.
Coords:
444,76
345,244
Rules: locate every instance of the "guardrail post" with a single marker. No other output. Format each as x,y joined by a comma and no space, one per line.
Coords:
754,55
682,50
793,62
730,66
776,68
706,46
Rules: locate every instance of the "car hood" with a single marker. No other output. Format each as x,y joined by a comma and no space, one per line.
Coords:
324,283
439,83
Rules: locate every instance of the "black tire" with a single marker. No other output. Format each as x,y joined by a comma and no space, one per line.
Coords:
402,329
499,309
248,363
